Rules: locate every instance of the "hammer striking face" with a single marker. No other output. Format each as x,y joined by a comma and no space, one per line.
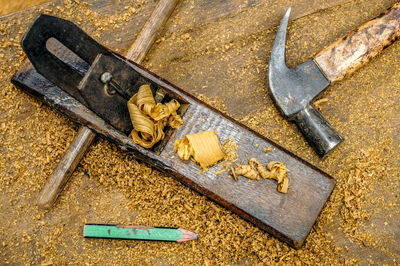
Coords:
294,89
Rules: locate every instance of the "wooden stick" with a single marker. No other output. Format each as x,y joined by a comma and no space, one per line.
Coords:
150,30
81,143
56,182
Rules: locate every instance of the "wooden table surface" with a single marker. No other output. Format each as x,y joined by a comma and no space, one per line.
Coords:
218,51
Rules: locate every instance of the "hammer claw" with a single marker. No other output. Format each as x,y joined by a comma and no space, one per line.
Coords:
277,59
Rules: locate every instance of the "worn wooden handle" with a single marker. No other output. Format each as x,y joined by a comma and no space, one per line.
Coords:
82,141
356,48
150,30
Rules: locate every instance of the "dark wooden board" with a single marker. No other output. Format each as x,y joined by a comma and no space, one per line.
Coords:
289,217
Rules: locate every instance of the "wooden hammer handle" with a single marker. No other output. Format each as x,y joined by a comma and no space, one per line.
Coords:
82,141
356,48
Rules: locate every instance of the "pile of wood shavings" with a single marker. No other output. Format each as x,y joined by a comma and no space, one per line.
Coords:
149,118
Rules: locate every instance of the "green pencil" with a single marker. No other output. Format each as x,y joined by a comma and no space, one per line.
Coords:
138,232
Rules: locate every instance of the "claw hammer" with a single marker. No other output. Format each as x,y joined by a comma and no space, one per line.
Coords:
294,89
56,182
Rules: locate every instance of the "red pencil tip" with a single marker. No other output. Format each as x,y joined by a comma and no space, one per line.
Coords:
187,235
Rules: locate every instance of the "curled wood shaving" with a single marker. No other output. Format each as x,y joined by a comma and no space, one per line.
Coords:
276,170
245,170
279,173
205,148
284,185
261,169
183,149
318,103
175,120
149,118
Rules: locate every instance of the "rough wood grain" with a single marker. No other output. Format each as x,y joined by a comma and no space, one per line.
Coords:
286,216
356,48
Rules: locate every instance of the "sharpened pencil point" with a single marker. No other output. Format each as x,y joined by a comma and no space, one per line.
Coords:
187,235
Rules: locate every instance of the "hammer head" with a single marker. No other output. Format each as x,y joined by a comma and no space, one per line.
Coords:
294,89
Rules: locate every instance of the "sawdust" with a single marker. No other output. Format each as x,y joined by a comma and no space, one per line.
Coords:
359,225
230,148
215,102
7,6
